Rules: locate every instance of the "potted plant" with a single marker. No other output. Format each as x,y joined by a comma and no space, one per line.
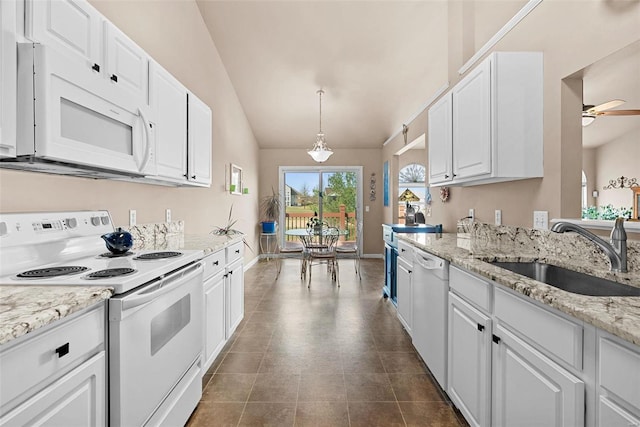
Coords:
270,208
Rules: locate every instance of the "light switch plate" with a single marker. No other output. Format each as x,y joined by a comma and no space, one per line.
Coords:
132,217
541,220
167,215
472,214
498,218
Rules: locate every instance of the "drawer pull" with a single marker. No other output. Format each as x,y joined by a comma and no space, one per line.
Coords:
237,251
496,339
62,350
114,78
216,263
96,67
481,328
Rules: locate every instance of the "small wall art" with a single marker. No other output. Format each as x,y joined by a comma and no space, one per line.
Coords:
235,180
385,183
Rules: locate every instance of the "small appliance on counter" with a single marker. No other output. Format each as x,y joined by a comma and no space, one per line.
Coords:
389,235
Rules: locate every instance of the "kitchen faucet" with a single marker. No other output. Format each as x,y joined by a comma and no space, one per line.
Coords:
616,250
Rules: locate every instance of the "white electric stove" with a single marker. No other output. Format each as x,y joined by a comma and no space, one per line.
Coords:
154,317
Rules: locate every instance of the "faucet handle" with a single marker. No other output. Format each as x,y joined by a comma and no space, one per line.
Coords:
618,232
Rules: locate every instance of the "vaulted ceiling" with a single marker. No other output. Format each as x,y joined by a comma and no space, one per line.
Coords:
377,61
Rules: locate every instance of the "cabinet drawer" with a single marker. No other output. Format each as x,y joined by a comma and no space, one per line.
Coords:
555,334
619,371
234,252
471,288
213,263
405,251
35,360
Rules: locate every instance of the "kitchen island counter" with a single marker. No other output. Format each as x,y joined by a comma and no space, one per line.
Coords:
617,315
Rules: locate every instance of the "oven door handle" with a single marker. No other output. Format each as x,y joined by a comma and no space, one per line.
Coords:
165,285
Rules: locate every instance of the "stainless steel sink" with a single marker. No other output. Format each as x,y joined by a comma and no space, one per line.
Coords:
568,280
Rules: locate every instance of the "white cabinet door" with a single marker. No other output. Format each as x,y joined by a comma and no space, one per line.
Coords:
199,144
522,376
472,123
127,65
214,318
440,141
404,294
168,99
8,79
77,399
469,361
612,415
72,27
235,296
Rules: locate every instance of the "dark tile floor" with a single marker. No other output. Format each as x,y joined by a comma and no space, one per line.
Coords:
324,356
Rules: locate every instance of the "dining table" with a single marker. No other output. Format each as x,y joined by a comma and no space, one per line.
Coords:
309,236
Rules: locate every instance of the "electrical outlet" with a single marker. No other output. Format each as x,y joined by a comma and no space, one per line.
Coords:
472,214
541,220
498,217
366,208
167,215
132,217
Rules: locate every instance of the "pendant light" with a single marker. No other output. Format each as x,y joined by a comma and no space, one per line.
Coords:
320,152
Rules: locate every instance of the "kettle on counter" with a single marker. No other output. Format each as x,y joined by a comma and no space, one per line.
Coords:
119,241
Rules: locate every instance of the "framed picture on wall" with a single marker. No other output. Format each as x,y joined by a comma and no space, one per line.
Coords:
235,180
385,183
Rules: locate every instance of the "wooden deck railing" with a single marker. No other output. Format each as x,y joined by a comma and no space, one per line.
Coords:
342,220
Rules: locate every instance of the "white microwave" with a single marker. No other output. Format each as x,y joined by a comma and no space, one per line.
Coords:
69,123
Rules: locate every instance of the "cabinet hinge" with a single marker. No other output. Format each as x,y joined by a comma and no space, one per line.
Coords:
481,327
496,339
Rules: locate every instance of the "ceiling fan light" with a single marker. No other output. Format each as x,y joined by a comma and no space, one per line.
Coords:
587,119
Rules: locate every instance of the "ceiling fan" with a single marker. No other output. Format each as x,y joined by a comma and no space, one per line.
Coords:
590,112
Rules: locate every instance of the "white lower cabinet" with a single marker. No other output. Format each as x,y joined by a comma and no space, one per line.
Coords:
404,293
529,389
214,322
235,296
56,377
469,361
618,382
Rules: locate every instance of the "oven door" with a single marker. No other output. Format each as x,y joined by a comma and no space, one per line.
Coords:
155,336
69,114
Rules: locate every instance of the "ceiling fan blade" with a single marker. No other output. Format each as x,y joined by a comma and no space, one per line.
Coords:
606,106
619,113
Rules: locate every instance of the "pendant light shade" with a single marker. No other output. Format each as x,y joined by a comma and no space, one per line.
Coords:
320,152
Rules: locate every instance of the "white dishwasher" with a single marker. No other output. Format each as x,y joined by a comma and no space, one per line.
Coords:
430,290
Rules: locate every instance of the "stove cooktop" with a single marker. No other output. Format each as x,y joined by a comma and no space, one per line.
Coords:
122,273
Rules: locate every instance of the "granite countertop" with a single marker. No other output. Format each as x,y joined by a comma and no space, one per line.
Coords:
617,315
24,309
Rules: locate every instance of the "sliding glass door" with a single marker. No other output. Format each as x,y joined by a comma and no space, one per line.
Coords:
333,195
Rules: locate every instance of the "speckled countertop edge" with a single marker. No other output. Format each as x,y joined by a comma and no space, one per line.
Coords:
617,315
24,309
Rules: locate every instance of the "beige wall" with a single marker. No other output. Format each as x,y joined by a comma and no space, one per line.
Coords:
369,159
174,34
589,169
617,158
555,28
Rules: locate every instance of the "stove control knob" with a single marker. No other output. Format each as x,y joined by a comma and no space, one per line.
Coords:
71,222
105,220
95,220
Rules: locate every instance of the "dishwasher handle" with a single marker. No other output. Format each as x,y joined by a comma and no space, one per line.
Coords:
428,262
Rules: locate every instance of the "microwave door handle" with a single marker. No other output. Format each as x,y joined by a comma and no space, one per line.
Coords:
166,285
147,153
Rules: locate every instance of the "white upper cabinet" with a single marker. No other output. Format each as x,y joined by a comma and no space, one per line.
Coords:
440,139
495,121
8,80
72,27
168,100
127,65
199,141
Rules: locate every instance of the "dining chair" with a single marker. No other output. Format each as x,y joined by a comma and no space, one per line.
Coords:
291,250
324,252
350,250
